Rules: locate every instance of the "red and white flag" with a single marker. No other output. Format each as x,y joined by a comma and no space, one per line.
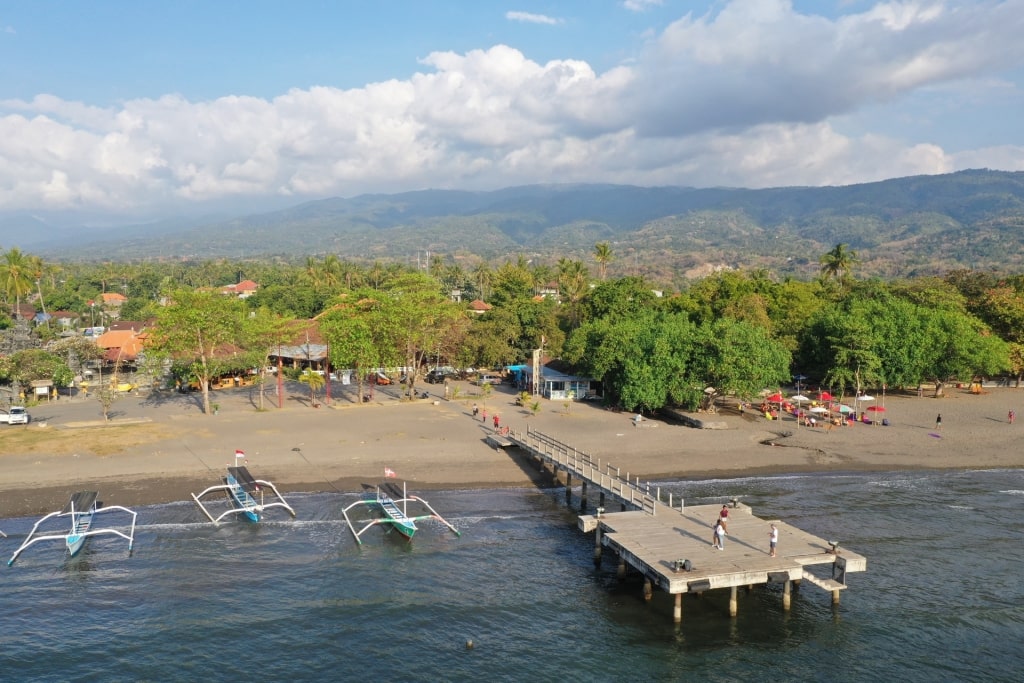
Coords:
388,472
239,454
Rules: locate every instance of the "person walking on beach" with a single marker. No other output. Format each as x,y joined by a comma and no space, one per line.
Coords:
476,411
484,418
1011,416
773,539
938,421
497,422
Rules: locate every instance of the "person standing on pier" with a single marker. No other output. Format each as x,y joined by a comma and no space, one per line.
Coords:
723,517
719,535
773,539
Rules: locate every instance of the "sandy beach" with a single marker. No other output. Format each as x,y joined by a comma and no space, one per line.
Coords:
160,448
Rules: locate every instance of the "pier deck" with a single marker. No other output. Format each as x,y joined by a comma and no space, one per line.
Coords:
670,544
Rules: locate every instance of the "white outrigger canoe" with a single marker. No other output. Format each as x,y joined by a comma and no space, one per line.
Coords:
393,503
82,510
241,489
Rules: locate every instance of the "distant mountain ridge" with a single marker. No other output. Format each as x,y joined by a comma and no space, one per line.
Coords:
899,227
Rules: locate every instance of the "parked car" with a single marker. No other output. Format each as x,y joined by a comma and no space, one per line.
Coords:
379,379
438,376
16,415
487,378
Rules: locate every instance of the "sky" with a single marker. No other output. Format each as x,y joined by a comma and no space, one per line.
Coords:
147,107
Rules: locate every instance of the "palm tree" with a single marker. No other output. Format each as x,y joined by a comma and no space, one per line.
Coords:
483,278
573,285
16,272
38,269
838,262
603,255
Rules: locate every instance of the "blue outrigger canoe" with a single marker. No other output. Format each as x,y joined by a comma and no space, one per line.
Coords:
386,498
241,489
81,510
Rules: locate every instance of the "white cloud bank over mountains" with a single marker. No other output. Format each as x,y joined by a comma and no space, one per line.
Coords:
753,95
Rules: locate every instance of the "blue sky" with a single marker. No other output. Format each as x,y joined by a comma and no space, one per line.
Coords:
148,107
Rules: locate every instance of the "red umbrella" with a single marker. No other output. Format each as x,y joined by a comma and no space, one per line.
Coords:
876,409
775,398
825,396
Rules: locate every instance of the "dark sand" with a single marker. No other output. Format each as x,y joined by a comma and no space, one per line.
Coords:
161,448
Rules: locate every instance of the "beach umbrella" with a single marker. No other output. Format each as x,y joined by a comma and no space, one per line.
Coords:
825,396
876,409
819,409
775,398
865,397
845,409
800,398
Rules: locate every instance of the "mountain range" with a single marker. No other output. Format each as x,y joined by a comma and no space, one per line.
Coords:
901,227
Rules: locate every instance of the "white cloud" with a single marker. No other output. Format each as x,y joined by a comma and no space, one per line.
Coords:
640,5
751,94
530,18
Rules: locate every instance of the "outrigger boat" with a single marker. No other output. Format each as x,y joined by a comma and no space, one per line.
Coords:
82,510
242,489
393,503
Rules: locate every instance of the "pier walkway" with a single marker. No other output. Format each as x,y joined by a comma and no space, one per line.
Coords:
670,543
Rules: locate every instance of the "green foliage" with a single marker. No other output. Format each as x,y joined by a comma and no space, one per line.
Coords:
32,364
199,329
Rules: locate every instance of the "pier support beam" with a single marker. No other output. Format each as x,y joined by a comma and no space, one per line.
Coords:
787,595
677,611
597,546
648,589
583,496
835,597
621,571
733,604
568,486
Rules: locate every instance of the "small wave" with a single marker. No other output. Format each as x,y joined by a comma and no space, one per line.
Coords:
1013,492
960,507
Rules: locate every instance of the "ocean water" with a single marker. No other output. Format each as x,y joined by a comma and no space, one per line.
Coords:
298,600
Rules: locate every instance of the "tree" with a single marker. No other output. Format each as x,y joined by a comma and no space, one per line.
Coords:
261,330
16,274
603,255
838,262
314,381
573,285
198,328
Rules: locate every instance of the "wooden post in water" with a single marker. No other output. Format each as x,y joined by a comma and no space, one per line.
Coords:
677,611
597,546
621,571
583,496
648,589
733,605
835,597
568,486
787,594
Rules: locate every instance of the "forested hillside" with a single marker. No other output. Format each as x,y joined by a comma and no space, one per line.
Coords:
902,227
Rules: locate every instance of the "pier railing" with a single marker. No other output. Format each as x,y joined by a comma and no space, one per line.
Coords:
588,468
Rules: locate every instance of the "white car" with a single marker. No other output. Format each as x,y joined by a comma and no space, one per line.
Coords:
487,379
17,415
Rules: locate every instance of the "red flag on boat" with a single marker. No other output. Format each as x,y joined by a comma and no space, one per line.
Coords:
388,472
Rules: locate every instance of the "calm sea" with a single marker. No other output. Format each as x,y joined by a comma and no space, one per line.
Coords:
943,598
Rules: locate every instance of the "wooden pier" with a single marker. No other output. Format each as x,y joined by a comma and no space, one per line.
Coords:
670,544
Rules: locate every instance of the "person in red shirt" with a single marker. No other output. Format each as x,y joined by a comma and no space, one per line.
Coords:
724,517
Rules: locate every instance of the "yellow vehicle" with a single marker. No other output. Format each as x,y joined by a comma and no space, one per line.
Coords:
122,387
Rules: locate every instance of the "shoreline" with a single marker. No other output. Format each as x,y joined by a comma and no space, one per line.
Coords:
27,502
160,451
